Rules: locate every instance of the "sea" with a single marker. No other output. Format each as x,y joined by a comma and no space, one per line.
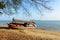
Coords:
48,25
45,24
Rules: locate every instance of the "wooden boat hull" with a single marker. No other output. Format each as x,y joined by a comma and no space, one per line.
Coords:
16,25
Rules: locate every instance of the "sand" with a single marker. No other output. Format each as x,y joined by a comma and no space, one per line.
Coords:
28,34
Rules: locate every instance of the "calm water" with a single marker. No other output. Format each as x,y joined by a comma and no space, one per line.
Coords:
47,25
5,22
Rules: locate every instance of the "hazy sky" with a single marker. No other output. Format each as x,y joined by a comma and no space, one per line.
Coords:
47,15
55,14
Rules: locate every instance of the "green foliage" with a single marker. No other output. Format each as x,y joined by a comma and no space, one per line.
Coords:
2,5
1,13
15,4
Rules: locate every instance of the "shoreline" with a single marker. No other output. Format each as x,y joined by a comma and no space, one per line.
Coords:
3,26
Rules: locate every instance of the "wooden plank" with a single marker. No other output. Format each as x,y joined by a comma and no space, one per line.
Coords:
17,20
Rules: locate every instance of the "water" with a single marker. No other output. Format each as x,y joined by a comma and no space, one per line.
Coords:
5,21
47,25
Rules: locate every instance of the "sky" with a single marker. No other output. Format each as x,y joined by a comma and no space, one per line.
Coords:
55,14
47,15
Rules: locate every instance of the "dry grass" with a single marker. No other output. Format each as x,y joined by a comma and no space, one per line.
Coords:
28,34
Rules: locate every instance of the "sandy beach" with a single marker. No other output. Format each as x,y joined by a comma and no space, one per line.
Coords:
3,25
28,34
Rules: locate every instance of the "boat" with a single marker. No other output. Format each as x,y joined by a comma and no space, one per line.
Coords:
16,23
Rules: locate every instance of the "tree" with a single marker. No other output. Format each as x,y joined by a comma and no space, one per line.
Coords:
1,5
8,5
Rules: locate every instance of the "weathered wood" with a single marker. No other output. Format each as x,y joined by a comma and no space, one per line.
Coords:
17,20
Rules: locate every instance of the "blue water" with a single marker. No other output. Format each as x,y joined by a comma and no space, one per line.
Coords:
5,21
47,25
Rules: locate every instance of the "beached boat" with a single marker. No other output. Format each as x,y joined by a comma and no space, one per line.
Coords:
21,24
